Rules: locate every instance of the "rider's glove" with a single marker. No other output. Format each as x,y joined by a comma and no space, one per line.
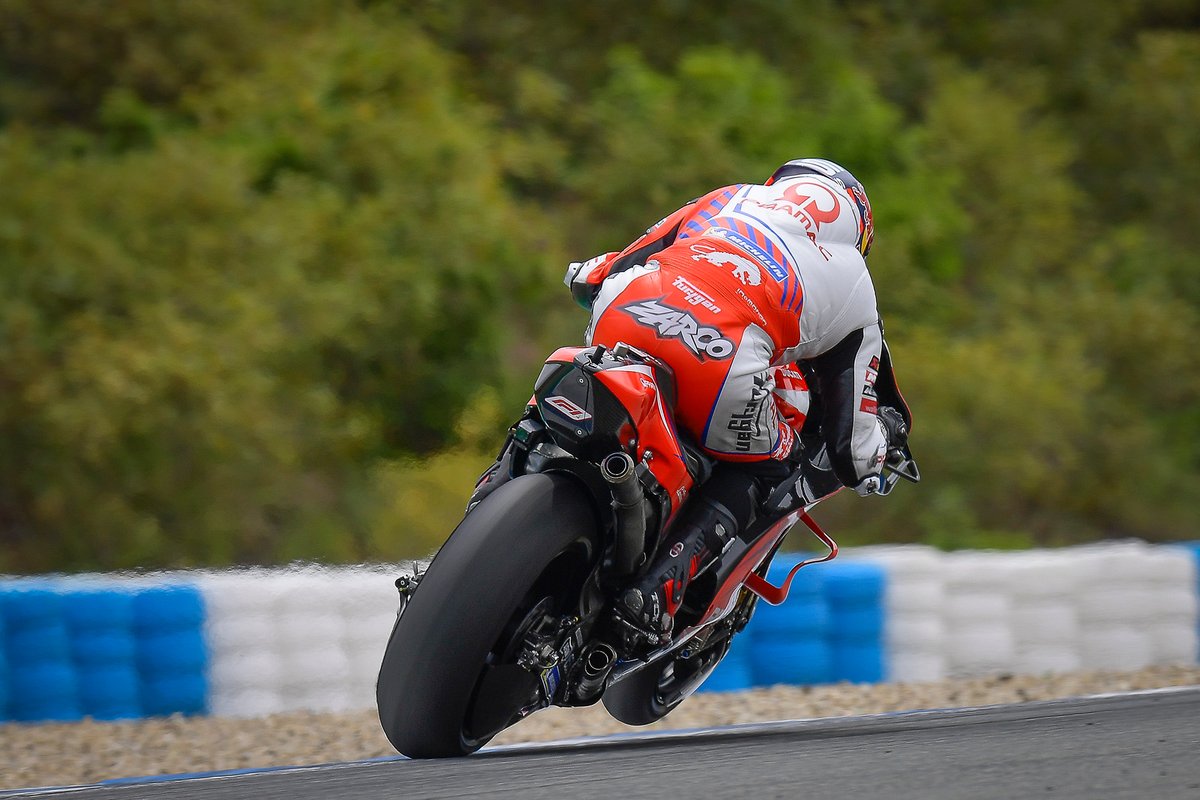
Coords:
577,279
895,430
573,270
894,427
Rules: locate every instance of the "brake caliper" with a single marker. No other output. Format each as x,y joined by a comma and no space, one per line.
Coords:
406,585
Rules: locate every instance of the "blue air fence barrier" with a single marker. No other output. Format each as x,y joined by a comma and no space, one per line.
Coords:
110,691
163,695
802,661
858,662
42,640
42,683
160,609
733,674
805,612
172,655
855,592
3,668
827,631
104,651
789,642
44,692
172,652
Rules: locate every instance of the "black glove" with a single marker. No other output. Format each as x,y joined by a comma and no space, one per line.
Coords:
894,427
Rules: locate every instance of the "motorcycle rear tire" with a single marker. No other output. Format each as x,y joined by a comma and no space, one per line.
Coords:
534,537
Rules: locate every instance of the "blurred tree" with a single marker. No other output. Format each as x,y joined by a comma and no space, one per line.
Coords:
207,341
271,273
60,60
1143,170
141,408
427,256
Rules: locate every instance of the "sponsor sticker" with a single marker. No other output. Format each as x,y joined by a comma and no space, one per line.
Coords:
753,306
811,202
745,424
814,204
872,374
568,408
550,680
774,268
694,296
742,268
674,323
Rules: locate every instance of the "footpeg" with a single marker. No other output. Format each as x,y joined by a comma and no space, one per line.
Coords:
635,639
633,601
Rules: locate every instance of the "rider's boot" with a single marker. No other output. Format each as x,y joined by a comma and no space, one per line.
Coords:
724,506
651,602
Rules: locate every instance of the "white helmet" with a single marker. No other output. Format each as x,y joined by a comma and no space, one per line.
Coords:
841,176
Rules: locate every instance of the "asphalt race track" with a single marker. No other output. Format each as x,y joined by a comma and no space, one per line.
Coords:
1142,745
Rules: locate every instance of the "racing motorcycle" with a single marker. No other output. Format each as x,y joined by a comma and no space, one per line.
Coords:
514,613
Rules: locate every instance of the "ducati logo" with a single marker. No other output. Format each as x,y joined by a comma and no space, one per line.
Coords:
674,323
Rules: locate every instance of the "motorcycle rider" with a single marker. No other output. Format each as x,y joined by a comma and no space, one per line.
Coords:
754,294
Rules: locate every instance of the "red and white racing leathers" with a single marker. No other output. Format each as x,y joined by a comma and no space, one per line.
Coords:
733,288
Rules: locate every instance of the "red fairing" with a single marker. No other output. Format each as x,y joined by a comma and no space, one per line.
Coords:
565,355
657,445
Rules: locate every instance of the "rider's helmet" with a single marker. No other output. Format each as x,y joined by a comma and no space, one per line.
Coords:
841,176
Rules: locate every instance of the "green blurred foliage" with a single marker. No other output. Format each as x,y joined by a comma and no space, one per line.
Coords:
274,277
64,61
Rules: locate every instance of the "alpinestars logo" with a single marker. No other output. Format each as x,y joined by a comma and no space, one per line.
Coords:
673,323
746,425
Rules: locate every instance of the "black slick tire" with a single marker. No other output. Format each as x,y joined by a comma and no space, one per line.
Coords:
534,535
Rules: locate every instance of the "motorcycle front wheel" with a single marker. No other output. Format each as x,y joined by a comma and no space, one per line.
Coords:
448,682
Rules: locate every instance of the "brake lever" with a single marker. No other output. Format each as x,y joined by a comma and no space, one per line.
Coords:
903,467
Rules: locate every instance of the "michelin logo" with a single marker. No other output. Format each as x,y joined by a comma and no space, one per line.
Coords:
776,269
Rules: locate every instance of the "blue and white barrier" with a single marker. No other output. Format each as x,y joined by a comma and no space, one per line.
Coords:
260,641
283,640
911,614
100,648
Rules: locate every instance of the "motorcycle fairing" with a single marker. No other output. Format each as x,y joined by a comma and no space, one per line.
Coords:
596,401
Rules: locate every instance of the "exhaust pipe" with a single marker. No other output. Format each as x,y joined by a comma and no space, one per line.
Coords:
619,471
596,667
